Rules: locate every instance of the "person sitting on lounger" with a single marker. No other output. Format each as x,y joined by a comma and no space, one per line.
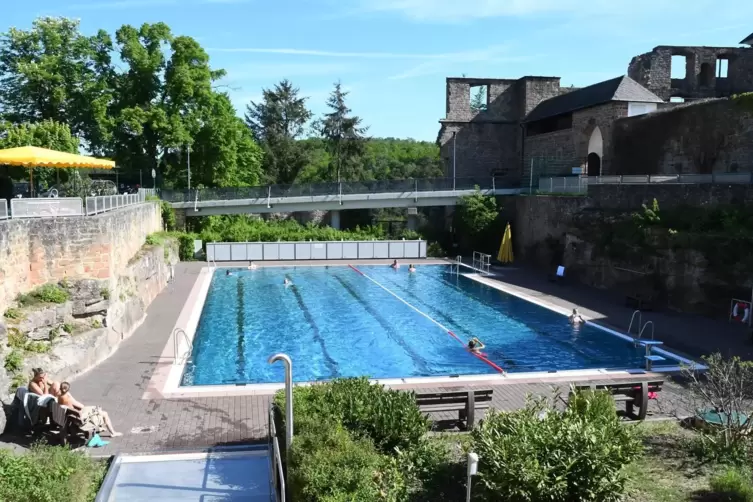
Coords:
39,383
576,318
93,415
475,345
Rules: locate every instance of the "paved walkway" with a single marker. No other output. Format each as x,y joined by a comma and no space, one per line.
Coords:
161,424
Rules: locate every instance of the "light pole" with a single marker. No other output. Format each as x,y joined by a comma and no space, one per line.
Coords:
454,136
189,167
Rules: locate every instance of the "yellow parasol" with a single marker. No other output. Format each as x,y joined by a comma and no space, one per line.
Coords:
33,156
505,249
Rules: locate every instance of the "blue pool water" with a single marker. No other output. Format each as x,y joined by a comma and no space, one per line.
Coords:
334,322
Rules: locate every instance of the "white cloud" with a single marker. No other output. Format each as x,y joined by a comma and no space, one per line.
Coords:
277,71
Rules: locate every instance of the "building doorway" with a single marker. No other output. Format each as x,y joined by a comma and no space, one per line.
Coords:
593,164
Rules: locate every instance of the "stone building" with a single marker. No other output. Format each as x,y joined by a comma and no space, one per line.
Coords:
531,127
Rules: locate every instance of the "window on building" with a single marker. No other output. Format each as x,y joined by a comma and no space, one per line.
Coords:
479,98
679,67
722,65
676,99
550,124
640,108
706,75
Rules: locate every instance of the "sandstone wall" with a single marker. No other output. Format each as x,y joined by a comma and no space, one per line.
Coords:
35,251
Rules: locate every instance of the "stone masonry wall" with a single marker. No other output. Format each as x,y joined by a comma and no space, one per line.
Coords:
630,197
702,138
35,251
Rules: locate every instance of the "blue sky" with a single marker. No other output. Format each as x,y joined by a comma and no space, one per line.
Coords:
394,55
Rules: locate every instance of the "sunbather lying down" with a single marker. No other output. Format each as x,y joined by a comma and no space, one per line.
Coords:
95,416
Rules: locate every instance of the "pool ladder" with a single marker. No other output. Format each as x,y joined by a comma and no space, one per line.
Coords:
176,346
640,328
456,265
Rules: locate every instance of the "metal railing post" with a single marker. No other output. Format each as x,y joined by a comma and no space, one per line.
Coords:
340,191
288,399
269,196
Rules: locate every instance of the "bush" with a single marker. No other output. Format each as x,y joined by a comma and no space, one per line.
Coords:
13,313
49,293
185,246
435,250
539,453
168,216
16,338
245,229
48,474
327,464
14,361
733,485
390,418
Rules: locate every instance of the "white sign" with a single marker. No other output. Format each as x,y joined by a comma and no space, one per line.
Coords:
154,173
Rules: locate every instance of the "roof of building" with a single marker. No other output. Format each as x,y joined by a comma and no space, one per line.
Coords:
747,40
617,89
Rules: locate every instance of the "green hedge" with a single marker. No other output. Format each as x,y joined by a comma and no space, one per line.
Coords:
539,453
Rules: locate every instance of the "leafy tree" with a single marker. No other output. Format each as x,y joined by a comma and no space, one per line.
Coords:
53,72
478,101
45,134
343,138
277,123
476,222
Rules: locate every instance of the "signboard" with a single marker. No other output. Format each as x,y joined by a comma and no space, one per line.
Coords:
577,170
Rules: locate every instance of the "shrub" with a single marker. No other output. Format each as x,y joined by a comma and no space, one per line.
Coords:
105,293
38,347
185,246
723,388
435,250
14,361
13,313
168,216
52,293
539,453
390,418
17,381
68,328
16,338
65,475
327,464
733,485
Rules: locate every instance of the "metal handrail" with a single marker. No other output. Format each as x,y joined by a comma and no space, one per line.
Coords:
644,329
459,260
278,474
632,318
176,346
483,260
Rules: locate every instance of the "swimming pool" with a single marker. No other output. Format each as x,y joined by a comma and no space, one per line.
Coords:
336,322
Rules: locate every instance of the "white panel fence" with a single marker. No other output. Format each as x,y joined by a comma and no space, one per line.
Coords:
46,207
314,250
4,209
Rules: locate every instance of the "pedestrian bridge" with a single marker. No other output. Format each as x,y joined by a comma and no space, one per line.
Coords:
333,196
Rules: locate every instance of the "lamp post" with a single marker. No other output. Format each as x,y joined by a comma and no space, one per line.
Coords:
288,398
189,167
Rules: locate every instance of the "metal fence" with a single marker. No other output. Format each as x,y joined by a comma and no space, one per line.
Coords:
313,250
4,210
148,192
104,203
335,188
579,184
275,459
46,207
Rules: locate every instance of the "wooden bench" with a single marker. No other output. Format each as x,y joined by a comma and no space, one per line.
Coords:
631,393
464,402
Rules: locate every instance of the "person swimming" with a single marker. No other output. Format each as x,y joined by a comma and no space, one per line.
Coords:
252,266
411,268
227,272
287,282
395,265
475,345
576,318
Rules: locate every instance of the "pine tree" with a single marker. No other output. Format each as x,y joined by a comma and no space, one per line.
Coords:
343,137
478,102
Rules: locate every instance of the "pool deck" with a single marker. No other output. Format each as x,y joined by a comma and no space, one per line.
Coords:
157,424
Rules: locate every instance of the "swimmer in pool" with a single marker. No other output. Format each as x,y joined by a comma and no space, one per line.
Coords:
252,266
227,272
411,268
395,265
475,345
576,318
287,282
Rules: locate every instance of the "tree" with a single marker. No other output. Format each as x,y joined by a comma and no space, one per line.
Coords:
277,123
476,222
343,138
478,101
53,72
46,134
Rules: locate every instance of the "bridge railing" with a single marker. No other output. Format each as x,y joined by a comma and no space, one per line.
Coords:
336,189
580,184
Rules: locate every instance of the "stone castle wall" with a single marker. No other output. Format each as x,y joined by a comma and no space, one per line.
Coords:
36,251
701,138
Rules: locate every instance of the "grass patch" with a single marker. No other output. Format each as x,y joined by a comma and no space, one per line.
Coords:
14,361
16,338
48,474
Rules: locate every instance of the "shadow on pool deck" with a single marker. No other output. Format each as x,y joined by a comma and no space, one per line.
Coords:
118,383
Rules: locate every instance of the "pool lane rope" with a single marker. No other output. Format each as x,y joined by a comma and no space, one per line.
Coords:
448,331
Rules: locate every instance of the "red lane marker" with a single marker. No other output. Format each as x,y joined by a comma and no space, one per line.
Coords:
455,337
354,268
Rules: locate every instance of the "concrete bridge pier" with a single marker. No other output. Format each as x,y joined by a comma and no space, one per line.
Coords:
334,219
412,222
